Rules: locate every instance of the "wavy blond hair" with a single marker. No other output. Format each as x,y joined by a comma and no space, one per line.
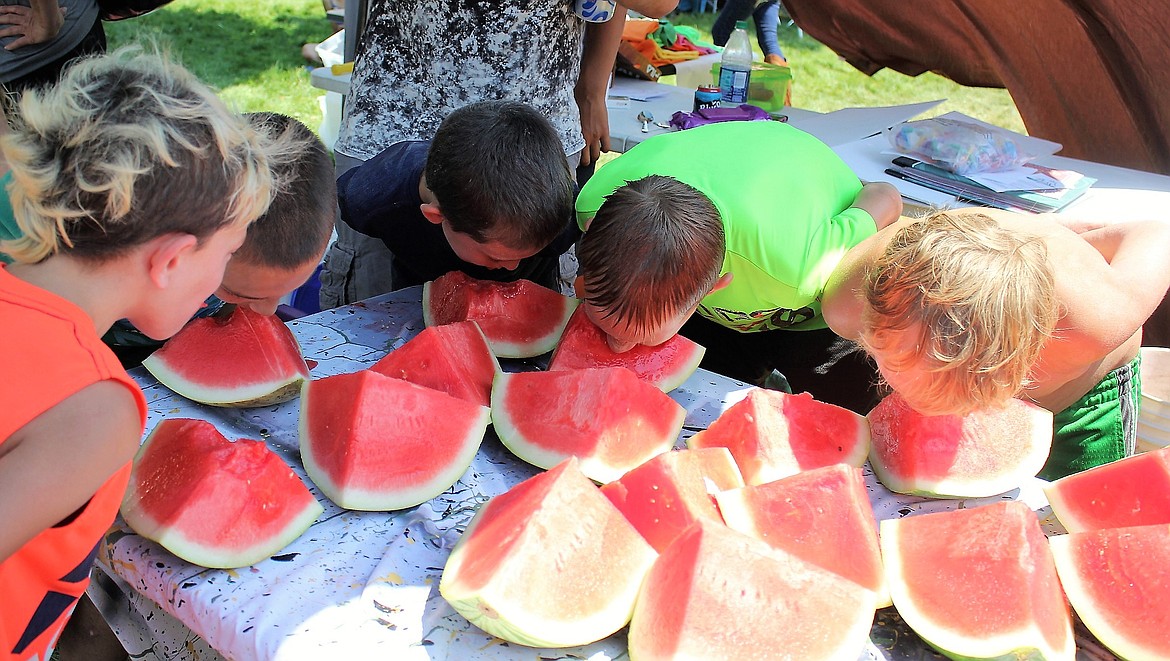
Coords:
985,299
127,147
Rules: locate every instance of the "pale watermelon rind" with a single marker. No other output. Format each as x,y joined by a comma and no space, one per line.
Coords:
1093,618
495,615
371,501
532,453
1028,467
215,558
1027,643
260,394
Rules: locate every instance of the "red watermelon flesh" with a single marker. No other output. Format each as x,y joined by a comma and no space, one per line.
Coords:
822,516
374,443
978,583
549,563
454,358
520,319
1134,491
667,365
1118,581
607,418
668,493
718,594
983,453
241,358
214,502
773,434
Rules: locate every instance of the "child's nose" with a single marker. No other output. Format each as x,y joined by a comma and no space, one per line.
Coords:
265,307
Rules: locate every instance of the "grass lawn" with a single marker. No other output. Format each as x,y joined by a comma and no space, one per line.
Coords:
250,51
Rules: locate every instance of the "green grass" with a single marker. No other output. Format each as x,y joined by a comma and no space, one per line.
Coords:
250,51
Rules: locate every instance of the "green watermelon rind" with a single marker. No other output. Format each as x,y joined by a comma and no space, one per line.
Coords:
372,501
970,488
492,612
530,451
1023,645
1088,611
204,555
536,347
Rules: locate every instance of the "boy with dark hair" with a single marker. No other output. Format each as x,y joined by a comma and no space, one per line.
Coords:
490,195
748,243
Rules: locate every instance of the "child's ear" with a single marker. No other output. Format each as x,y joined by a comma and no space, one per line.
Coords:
165,255
722,282
432,212
579,287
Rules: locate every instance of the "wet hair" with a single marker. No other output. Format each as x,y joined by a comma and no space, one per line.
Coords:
296,227
985,299
499,173
654,249
128,147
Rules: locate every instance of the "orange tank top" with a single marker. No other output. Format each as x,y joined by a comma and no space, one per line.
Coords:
51,351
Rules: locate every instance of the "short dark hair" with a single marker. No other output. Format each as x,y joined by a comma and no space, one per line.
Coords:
499,173
654,248
298,223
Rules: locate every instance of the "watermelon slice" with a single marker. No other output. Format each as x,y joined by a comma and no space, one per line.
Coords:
239,359
520,319
454,358
667,365
607,418
718,594
1134,491
978,583
549,563
773,435
983,453
821,516
1118,581
215,502
374,443
665,495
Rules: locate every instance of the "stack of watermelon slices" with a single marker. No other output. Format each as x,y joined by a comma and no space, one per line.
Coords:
1115,561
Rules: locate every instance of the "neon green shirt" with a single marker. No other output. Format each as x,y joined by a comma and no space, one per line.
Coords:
784,197
8,228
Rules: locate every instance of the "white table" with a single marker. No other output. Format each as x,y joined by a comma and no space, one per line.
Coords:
364,585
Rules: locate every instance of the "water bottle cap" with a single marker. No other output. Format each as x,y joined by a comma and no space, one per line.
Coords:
741,25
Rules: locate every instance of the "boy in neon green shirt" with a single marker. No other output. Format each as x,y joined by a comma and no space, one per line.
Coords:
742,222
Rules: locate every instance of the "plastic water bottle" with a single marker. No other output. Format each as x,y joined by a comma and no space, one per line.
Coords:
736,67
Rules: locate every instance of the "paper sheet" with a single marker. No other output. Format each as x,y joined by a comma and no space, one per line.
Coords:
850,124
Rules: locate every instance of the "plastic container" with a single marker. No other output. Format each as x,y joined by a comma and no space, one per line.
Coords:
770,86
735,68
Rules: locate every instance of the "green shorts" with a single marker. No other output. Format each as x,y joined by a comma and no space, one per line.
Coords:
1100,427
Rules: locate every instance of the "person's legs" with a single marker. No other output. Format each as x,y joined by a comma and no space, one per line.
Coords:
732,11
767,19
833,370
356,266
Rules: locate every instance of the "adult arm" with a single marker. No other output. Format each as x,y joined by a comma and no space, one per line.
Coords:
53,465
597,58
35,24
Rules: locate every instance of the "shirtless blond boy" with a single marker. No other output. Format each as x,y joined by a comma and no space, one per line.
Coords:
967,308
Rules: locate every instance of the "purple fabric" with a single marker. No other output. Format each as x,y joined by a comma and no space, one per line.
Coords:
743,113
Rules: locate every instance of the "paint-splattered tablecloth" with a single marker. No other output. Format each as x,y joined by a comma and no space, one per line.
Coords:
364,585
